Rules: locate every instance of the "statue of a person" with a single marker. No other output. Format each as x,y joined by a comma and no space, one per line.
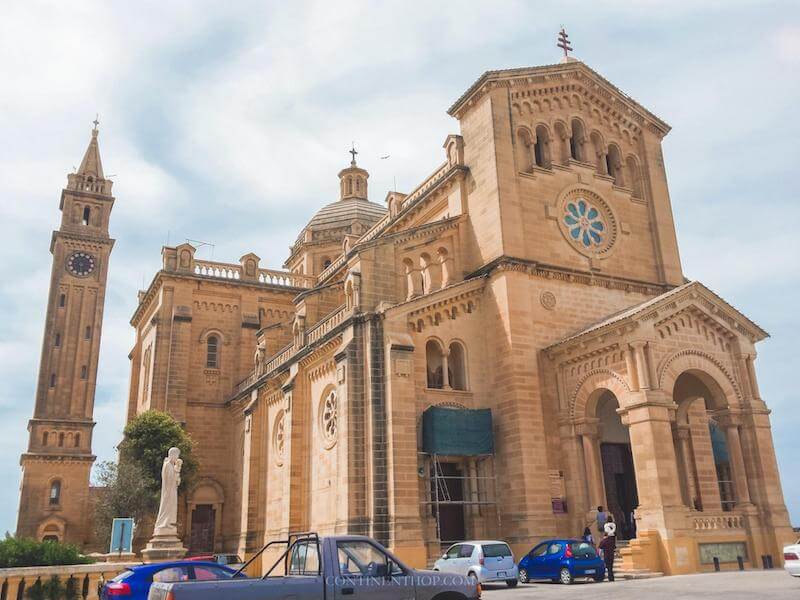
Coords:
167,519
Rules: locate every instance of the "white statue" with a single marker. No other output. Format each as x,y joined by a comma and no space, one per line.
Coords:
167,519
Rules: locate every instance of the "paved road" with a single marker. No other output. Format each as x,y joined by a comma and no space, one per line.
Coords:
774,585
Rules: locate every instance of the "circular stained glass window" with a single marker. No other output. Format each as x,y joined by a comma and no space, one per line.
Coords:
587,222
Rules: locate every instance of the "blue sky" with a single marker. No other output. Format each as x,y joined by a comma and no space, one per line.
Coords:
227,122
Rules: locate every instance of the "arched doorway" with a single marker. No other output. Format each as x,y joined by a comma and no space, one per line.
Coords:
704,432
619,476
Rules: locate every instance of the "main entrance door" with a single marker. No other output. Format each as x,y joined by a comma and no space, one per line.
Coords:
447,487
202,538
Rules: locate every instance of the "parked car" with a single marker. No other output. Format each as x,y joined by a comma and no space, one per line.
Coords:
486,561
313,567
791,559
229,560
562,560
134,583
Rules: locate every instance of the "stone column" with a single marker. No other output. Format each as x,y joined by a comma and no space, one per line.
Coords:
445,369
683,434
590,439
642,370
741,487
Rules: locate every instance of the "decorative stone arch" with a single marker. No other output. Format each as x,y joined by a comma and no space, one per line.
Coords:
52,526
707,368
48,490
584,399
205,492
213,331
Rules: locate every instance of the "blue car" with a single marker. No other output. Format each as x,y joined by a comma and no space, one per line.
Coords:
562,560
134,583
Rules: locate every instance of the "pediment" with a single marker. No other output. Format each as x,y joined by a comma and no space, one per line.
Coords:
690,306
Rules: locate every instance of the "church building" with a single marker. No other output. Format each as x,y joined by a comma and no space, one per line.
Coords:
493,354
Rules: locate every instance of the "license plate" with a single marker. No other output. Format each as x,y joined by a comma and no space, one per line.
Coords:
589,571
501,573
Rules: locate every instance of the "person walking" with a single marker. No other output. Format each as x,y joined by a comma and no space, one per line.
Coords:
587,536
602,517
610,528
608,546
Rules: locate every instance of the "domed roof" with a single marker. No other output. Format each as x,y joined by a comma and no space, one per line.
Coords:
344,212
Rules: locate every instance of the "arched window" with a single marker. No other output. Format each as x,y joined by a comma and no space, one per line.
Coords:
719,448
57,341
87,334
77,440
55,493
457,367
541,149
614,164
326,262
576,141
212,352
60,441
634,177
62,300
84,371
45,435
434,360
526,147
349,186
50,538
52,380
86,214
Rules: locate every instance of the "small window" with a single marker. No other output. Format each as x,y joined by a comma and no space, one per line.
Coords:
496,550
582,550
539,550
60,440
212,352
456,367
55,493
50,538
435,365
77,440
84,371
57,341
62,300
454,551
466,551
87,212
52,380
87,333
45,435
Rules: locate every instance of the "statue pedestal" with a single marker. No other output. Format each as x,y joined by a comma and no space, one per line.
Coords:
163,547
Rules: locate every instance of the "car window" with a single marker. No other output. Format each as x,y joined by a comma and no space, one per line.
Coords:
466,551
211,573
583,549
304,559
554,549
496,550
122,576
228,559
539,550
454,551
362,558
172,574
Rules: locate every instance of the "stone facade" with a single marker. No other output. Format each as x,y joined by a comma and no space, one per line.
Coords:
535,273
55,494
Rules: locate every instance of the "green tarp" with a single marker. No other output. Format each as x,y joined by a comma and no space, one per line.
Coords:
457,432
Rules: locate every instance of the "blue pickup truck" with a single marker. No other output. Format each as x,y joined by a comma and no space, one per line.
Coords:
328,568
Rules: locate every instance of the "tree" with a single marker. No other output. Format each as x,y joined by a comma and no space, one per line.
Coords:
148,438
126,492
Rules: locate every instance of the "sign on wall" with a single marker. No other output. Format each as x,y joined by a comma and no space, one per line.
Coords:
726,552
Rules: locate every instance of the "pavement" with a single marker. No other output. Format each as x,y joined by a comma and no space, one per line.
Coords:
774,585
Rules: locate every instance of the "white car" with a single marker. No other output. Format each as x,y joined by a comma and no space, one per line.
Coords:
791,559
486,561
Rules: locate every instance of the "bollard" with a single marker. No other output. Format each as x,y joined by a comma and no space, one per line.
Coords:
740,560
716,563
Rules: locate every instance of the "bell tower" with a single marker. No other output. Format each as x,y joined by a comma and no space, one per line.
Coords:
54,494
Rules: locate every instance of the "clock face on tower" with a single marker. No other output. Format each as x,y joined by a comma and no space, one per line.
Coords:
80,264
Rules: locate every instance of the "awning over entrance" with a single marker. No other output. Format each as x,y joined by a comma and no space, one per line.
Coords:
457,432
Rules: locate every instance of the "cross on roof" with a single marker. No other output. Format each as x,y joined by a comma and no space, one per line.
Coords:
563,42
96,121
353,153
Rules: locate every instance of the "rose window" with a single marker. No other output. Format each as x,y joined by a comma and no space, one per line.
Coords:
329,416
279,437
584,223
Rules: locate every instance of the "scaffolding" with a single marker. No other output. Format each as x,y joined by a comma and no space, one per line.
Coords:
477,491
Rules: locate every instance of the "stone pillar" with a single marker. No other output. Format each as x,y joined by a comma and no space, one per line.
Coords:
683,434
590,439
642,370
741,487
445,369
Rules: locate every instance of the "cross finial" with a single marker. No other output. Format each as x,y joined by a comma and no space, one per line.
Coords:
96,121
563,42
353,153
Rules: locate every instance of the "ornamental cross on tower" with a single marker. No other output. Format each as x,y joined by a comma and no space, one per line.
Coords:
563,42
353,153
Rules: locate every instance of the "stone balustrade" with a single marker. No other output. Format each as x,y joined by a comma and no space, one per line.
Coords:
718,522
219,270
15,582
327,324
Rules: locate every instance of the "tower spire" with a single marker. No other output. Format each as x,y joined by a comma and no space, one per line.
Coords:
91,165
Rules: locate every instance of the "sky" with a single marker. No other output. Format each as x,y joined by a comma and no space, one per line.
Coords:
228,122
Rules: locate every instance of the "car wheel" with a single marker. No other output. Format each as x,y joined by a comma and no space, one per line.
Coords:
511,582
473,579
523,576
565,576
599,578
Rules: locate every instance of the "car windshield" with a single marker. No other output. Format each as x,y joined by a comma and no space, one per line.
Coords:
496,550
582,549
122,576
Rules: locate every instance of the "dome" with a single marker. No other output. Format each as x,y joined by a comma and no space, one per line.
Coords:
345,212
